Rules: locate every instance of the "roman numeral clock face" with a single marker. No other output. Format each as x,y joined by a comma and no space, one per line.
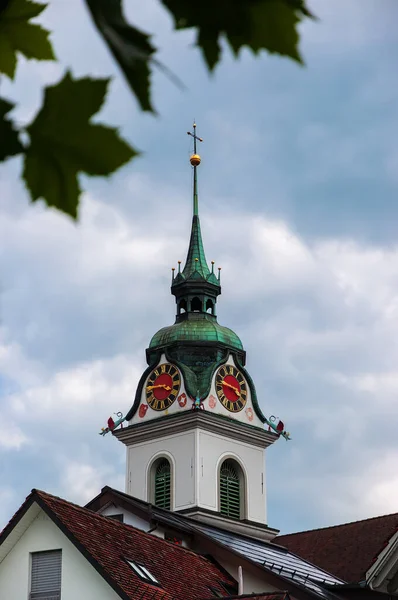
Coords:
163,386
231,388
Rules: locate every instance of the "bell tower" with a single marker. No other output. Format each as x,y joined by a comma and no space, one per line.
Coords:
195,437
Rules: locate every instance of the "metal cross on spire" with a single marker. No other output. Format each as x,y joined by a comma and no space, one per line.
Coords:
195,137
195,162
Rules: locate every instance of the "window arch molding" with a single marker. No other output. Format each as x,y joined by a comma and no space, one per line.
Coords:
151,473
236,463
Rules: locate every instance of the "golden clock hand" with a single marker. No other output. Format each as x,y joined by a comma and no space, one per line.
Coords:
237,392
161,385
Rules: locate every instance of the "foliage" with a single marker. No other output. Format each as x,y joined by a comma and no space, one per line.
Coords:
62,140
18,34
10,144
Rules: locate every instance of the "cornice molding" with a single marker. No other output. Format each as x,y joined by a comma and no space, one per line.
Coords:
189,420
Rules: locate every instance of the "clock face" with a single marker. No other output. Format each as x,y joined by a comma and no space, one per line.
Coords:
162,386
231,388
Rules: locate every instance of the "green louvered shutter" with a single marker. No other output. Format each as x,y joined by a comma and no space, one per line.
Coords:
229,490
163,484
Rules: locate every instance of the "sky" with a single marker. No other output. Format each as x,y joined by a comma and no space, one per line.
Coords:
298,201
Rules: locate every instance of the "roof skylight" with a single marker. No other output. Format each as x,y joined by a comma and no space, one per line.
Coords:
142,572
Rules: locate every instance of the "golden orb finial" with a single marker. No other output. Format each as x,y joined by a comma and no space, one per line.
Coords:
195,160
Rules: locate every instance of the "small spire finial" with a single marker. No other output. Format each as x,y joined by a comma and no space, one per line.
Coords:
195,162
179,266
195,137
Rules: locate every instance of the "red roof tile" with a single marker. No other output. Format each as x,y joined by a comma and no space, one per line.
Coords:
346,551
265,596
106,543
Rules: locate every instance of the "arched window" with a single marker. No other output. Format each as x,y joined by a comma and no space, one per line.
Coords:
231,489
162,483
210,306
196,305
182,307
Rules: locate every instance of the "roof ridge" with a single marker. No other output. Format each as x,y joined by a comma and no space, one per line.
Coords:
115,523
338,525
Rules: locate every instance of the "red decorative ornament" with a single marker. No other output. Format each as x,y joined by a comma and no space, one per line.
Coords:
111,424
249,413
182,400
212,401
142,410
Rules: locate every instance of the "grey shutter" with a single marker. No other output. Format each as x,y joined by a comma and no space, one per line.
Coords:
163,484
46,575
229,490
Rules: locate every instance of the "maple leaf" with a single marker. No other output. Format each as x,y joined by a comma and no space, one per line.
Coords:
257,24
130,47
10,144
63,142
18,34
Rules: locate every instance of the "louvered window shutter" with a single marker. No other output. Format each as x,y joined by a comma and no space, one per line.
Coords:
46,575
163,484
230,490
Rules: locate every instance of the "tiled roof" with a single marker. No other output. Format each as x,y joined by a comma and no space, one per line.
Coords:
265,596
289,568
106,543
347,551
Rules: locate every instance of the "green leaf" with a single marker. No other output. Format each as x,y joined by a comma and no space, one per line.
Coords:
9,141
130,47
257,24
63,142
17,34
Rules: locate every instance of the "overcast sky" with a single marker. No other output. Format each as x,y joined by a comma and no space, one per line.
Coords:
299,205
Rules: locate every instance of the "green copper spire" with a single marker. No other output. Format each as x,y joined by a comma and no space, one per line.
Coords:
196,259
196,339
195,286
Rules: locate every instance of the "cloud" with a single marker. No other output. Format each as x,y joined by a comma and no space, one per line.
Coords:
298,205
7,507
83,482
318,338
12,437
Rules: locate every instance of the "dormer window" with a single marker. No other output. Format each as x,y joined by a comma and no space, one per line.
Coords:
143,572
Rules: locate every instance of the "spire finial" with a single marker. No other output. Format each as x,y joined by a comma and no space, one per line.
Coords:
195,162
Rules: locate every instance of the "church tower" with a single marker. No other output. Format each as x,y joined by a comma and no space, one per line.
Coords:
195,436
